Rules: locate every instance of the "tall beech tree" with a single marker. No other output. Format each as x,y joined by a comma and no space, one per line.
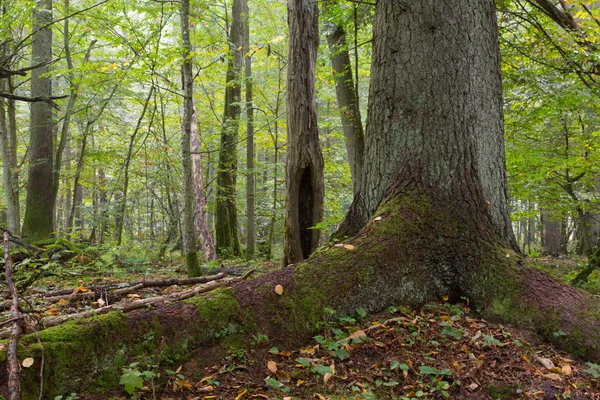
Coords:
227,237
38,222
305,189
189,195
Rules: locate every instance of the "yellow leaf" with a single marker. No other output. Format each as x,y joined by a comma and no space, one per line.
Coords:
299,382
178,370
272,366
241,394
320,397
349,247
279,289
445,298
81,289
28,362
206,378
444,317
308,350
566,369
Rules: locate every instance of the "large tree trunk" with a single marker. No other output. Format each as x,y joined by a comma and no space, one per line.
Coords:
305,188
347,99
189,193
228,241
38,222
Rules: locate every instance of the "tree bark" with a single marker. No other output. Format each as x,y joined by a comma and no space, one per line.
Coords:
38,222
305,188
9,166
189,193
202,228
552,234
228,242
347,99
250,173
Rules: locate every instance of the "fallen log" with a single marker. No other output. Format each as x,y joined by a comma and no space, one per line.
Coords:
64,294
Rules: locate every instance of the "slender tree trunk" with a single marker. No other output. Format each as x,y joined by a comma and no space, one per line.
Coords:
202,229
585,244
15,218
72,212
347,99
9,167
123,203
38,222
189,194
227,236
250,174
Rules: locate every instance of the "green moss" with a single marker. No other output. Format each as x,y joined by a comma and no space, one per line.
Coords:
192,264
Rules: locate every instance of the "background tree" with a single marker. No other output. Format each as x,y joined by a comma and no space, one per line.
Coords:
304,160
38,222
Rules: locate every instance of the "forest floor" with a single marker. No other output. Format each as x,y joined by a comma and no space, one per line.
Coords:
440,350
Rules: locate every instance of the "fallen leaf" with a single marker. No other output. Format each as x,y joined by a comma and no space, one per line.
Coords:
319,396
308,350
241,394
272,366
554,377
299,382
339,245
2,347
349,247
28,362
328,375
545,362
206,378
359,334
101,303
80,289
377,219
282,376
566,369
178,370
472,386
279,289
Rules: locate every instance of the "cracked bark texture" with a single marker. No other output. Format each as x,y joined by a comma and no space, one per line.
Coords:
305,189
435,109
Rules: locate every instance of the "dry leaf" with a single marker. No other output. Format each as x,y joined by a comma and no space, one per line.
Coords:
178,370
272,366
299,382
80,289
566,369
554,377
359,334
28,362
283,376
349,247
279,289
319,396
308,350
546,362
377,219
101,303
339,245
472,386
328,375
2,347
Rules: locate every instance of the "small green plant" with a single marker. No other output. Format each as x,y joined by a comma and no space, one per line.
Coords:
258,339
133,379
594,370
